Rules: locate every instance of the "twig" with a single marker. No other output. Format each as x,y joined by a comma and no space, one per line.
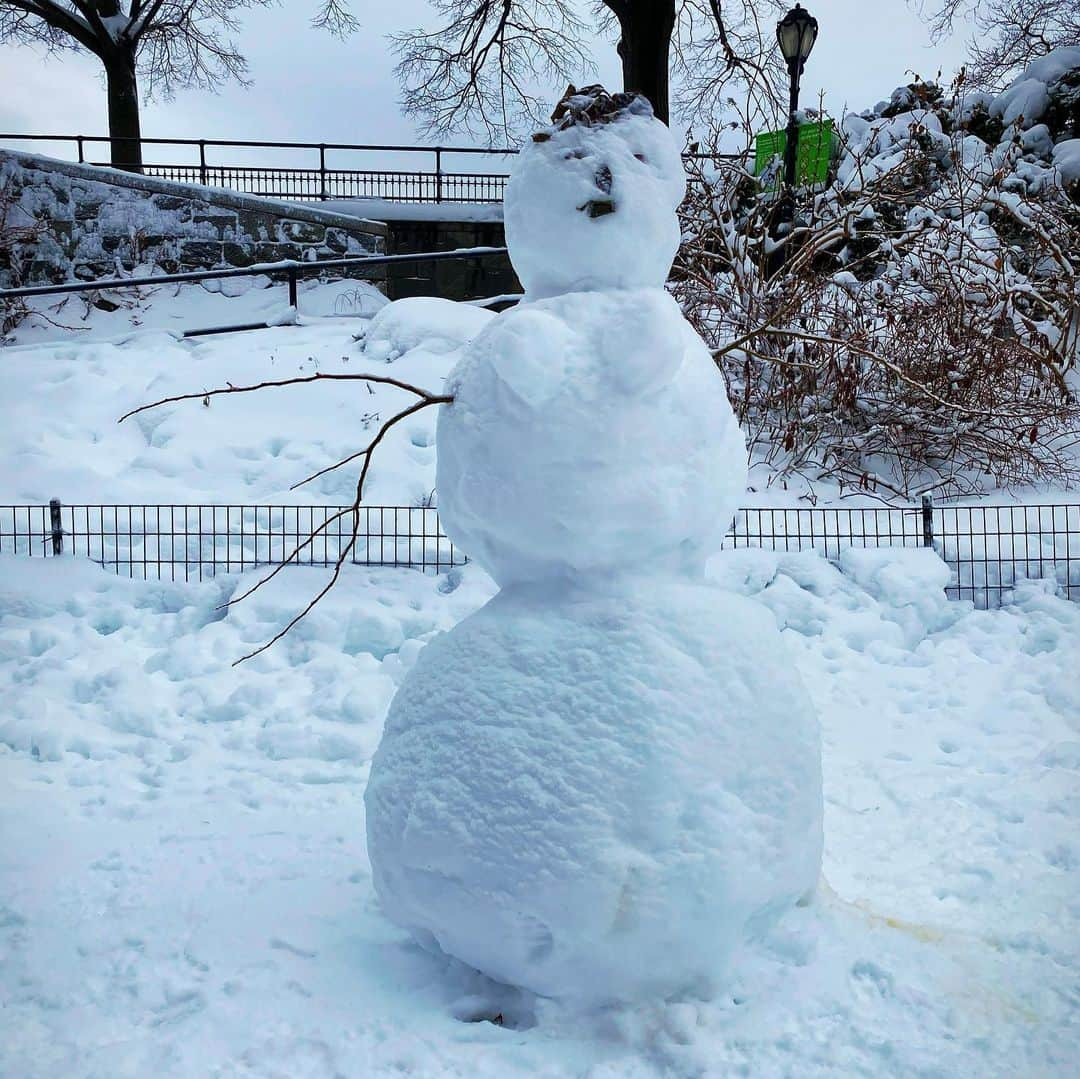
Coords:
433,400
318,377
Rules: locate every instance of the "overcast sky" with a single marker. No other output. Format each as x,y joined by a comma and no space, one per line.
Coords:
309,87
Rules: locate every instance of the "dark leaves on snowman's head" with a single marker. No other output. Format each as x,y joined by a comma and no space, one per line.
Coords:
594,105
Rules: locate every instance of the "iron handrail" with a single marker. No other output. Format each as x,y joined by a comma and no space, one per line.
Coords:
289,267
288,145
262,144
241,176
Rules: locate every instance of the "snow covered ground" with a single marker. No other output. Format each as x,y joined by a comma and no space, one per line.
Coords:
184,889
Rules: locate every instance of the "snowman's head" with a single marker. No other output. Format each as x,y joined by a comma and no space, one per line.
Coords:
592,199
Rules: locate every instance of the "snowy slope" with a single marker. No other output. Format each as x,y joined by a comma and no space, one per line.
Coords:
185,890
64,389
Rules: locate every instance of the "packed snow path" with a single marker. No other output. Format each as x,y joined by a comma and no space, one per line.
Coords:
184,889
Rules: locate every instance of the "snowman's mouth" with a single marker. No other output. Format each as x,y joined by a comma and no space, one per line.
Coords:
598,207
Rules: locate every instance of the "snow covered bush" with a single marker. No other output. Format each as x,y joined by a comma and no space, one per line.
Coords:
917,328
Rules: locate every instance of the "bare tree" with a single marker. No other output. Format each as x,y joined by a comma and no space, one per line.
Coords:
490,64
166,44
1008,34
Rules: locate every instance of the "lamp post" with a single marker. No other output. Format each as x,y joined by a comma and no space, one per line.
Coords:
796,33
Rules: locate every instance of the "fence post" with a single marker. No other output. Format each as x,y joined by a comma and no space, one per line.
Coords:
202,161
322,172
292,287
82,156
57,526
927,521
438,174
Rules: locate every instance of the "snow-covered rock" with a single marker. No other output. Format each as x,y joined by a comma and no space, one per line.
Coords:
430,322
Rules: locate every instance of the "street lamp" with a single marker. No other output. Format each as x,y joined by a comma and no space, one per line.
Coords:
796,32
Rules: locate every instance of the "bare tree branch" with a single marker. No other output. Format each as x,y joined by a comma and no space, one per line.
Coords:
319,376
427,399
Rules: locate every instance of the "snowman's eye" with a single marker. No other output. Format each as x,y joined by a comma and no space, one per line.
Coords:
603,179
642,158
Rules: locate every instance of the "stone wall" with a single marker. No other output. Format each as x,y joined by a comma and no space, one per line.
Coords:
95,221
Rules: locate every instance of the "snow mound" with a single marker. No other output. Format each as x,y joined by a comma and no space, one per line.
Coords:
593,206
359,299
589,837
435,324
587,432
1067,160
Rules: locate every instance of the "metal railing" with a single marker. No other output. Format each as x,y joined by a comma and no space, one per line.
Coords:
318,181
192,542
989,548
321,180
289,269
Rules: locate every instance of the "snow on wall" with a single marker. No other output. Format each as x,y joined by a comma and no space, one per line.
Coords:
101,221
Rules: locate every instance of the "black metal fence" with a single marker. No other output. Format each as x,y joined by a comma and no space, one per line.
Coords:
188,542
989,548
322,175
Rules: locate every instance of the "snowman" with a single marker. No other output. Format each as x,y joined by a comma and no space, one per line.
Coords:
607,780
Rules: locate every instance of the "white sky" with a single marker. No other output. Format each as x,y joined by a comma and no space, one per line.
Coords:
309,87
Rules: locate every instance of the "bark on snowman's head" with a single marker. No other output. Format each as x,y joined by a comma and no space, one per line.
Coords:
592,199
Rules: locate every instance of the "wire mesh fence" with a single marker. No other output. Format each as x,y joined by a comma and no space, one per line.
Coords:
989,547
189,542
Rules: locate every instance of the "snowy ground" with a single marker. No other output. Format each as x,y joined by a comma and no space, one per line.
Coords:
184,889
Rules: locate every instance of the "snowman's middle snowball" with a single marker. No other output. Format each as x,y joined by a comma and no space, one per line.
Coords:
589,433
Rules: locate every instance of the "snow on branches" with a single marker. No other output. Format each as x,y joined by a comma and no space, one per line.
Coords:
917,327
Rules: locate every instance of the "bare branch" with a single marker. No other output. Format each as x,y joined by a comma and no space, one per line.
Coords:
319,376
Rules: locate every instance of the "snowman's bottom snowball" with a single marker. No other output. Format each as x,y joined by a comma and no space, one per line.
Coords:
598,797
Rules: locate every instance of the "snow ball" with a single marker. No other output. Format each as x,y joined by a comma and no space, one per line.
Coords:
909,584
896,575
1067,160
1038,141
436,324
592,205
588,433
598,796
1054,64
1025,100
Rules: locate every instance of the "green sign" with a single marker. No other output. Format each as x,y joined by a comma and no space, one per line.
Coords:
817,143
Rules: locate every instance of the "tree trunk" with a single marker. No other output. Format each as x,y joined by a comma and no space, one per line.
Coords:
124,130
644,47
